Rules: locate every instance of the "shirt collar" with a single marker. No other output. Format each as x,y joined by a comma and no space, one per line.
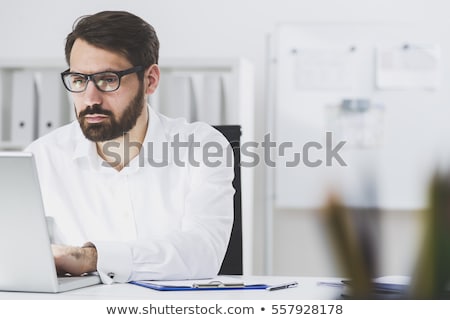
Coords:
85,151
156,141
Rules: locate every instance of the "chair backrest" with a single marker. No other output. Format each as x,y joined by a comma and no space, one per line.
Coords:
232,263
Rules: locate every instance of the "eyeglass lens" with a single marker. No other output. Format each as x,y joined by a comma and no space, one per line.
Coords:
105,81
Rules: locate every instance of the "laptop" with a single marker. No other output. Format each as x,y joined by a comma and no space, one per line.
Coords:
26,258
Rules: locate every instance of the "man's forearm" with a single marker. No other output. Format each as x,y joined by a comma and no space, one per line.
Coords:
90,258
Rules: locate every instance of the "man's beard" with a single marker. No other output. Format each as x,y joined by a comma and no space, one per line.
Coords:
112,128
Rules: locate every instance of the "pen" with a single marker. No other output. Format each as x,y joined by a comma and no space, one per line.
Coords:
331,284
283,286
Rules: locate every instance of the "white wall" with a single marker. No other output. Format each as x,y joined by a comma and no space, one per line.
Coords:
205,28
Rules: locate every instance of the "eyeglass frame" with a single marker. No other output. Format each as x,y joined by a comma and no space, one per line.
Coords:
90,77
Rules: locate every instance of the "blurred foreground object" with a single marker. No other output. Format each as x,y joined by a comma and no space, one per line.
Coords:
353,250
431,277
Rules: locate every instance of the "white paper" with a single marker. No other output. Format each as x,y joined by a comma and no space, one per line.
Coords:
408,66
322,69
360,128
191,283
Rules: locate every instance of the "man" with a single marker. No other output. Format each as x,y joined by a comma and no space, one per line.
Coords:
128,189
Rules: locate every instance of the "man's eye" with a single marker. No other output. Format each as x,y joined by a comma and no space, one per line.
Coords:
78,81
108,79
107,82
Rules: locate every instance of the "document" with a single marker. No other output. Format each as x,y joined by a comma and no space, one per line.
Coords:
408,66
325,68
218,283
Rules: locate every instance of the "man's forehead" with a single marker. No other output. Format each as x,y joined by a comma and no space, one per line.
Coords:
88,58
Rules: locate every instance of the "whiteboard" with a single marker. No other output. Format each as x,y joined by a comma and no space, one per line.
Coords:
392,147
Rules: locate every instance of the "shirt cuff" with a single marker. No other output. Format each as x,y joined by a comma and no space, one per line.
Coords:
114,261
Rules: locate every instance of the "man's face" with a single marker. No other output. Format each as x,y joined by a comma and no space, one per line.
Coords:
105,115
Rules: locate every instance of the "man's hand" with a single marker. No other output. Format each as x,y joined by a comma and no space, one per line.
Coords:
74,260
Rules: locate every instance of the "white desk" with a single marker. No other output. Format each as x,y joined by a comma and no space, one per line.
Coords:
308,288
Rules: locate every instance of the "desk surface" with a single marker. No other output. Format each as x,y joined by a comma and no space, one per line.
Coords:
308,288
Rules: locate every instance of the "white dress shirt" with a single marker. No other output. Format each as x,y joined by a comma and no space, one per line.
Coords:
155,219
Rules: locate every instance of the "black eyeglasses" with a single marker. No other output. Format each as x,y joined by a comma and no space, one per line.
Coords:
106,81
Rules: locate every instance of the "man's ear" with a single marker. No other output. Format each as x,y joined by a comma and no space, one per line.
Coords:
151,78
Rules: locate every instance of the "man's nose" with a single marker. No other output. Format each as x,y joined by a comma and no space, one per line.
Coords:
92,95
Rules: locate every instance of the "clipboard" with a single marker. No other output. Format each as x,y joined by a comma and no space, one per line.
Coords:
198,286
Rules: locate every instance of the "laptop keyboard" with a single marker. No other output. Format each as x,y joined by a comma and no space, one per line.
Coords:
63,280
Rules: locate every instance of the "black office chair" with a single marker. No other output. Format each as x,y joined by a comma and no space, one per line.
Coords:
232,263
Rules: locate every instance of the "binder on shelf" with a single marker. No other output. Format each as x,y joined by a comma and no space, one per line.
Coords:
176,97
210,93
53,102
2,106
23,108
5,106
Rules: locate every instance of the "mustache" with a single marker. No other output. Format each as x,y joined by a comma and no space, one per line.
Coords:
94,109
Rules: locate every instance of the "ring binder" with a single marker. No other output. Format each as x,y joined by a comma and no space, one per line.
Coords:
217,284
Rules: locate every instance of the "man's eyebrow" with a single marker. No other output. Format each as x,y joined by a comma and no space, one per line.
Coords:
104,70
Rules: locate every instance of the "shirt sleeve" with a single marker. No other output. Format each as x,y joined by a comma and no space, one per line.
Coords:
114,262
198,248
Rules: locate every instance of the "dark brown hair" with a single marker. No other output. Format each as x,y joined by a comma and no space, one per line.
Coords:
117,31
